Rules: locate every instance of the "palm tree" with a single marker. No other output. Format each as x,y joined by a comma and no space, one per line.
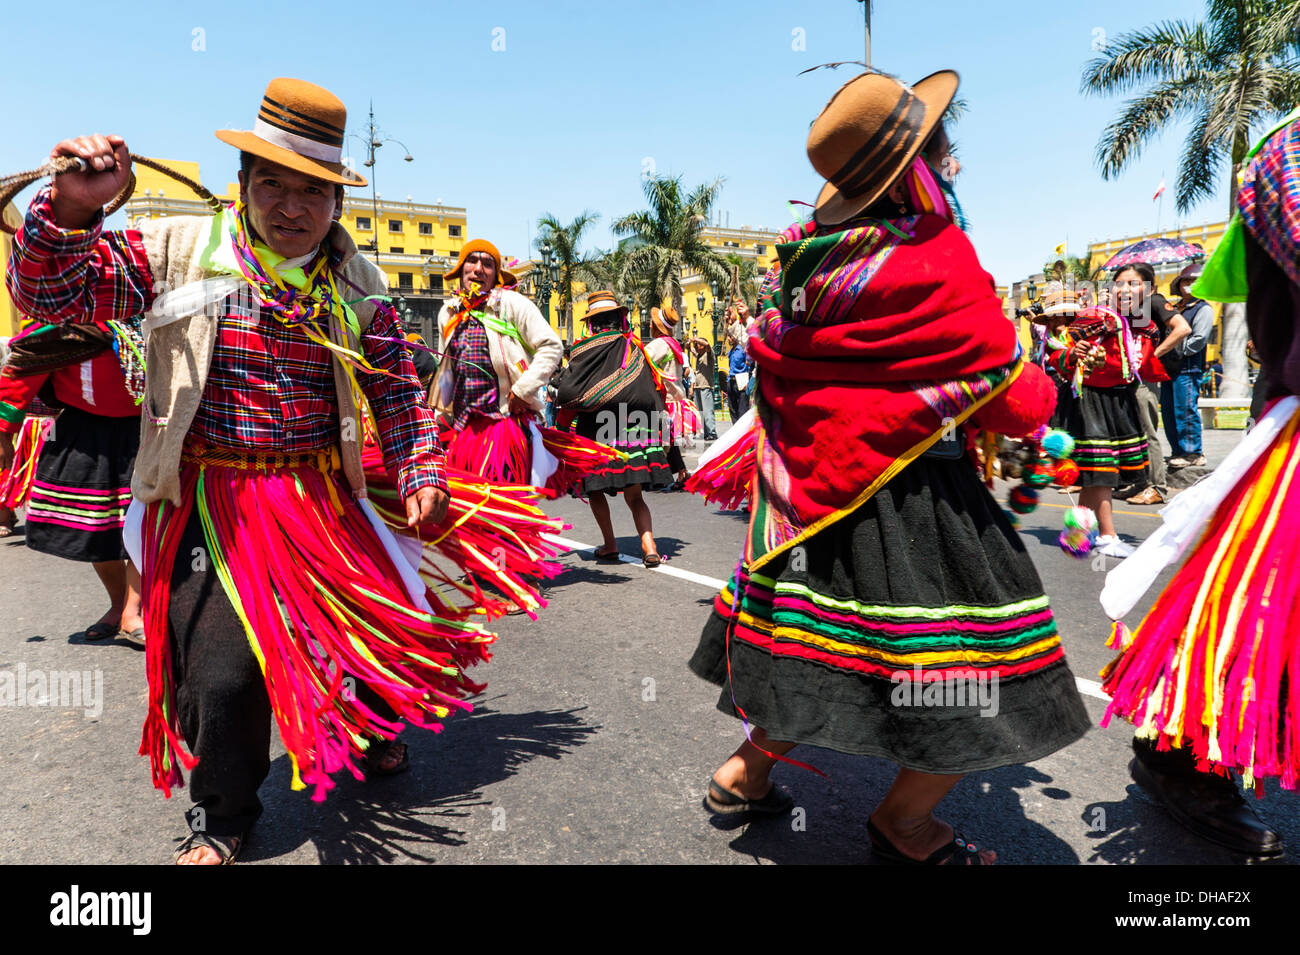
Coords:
668,239
1229,75
565,240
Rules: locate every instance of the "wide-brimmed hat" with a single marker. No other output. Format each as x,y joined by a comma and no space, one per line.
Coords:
603,303
664,319
1058,301
1189,274
868,135
300,126
504,275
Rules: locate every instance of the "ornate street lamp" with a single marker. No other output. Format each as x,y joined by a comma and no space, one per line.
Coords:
543,280
717,317
372,142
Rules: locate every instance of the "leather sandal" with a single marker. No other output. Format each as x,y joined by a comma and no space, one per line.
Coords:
957,852
776,802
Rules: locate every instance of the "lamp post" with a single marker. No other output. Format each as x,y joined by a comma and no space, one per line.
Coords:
645,323
717,316
563,316
542,280
373,142
699,303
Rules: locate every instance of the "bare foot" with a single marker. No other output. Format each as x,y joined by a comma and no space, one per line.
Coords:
922,839
200,855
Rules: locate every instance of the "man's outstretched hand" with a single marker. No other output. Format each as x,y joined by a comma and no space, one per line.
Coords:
428,505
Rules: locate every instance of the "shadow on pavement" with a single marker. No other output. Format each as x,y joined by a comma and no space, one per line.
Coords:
409,816
985,807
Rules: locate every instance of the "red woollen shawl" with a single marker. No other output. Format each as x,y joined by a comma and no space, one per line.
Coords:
882,344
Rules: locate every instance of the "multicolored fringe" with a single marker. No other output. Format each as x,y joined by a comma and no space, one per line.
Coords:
493,535
501,450
1215,664
321,602
16,483
727,477
685,417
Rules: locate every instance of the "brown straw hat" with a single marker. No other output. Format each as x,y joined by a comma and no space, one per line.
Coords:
504,276
664,319
603,303
868,135
300,126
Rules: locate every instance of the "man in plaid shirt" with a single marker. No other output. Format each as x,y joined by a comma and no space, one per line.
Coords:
268,387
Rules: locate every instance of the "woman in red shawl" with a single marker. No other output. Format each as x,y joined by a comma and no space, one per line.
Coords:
884,605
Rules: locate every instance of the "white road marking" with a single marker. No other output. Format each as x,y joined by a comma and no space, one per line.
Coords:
1086,687
711,582
1090,688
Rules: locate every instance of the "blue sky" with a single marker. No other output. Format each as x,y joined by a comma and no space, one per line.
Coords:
565,117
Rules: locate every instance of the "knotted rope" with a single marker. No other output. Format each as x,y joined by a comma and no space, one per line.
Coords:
11,185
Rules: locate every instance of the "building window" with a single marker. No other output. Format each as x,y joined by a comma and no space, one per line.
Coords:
400,250
426,228
453,231
363,223
405,282
761,249
394,225
426,251
435,283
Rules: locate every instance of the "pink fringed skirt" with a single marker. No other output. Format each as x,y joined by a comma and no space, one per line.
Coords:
321,599
501,450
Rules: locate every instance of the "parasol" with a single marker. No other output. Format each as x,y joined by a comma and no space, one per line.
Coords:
1154,252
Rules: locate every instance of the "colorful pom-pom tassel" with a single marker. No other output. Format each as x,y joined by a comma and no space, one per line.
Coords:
1067,473
1080,531
1023,499
1058,443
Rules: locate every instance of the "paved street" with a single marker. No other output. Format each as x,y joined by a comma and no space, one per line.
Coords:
593,742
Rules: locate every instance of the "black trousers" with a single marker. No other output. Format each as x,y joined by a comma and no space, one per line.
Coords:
221,698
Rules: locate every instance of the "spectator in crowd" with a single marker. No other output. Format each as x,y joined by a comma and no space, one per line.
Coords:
1179,395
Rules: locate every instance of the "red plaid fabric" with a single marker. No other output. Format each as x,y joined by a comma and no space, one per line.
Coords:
475,389
269,387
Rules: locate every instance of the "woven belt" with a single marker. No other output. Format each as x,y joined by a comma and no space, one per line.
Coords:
324,460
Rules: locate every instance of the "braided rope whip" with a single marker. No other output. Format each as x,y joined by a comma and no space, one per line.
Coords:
11,185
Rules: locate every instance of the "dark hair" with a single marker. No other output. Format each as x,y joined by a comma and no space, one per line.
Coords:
246,160
1141,268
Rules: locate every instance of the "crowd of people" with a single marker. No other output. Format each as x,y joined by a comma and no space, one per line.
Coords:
236,385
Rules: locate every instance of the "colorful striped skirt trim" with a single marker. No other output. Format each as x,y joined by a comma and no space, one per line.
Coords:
82,487
787,619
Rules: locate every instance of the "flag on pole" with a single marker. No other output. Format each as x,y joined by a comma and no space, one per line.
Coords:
1059,250
1159,190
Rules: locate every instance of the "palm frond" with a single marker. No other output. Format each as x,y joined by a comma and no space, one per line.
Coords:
1167,51
1199,166
1143,118
1280,31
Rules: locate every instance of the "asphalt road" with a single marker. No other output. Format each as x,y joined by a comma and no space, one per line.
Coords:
593,742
